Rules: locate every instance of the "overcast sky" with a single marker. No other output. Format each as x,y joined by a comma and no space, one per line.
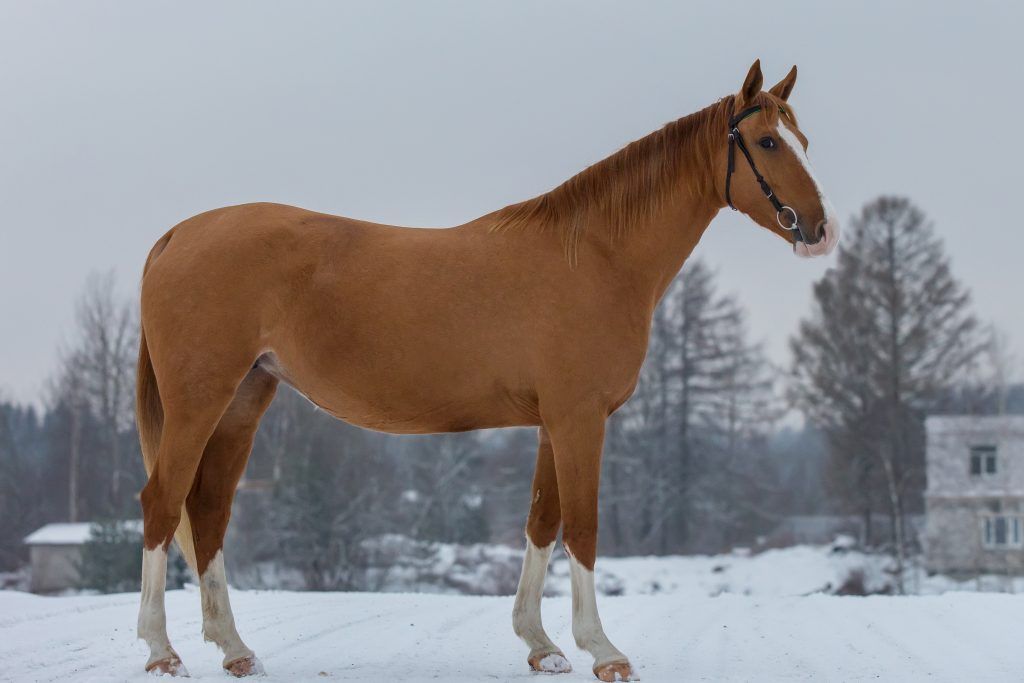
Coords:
118,120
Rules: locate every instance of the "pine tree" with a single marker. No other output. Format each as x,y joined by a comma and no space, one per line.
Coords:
111,559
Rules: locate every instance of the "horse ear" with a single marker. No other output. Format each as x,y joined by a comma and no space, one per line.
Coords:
783,88
752,84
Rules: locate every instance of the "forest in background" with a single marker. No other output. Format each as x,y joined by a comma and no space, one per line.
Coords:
698,460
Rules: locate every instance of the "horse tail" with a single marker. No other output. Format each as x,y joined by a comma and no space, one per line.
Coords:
149,415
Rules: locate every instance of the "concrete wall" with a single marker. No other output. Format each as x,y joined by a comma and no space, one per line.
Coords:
54,567
957,502
948,455
954,532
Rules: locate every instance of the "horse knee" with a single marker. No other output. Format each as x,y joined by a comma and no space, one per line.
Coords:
209,520
580,541
160,515
543,522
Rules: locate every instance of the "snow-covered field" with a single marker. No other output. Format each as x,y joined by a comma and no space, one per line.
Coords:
769,616
406,565
397,637
799,570
794,571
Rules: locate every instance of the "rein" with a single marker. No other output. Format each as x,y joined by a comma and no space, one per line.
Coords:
736,140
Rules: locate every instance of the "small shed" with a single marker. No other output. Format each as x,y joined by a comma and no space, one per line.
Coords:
54,553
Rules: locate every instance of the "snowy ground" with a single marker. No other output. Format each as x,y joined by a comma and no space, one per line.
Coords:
672,637
403,565
737,617
793,571
799,570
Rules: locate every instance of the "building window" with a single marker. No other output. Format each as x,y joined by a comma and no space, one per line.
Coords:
1001,531
983,460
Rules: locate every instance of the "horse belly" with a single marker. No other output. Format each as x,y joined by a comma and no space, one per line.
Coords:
387,397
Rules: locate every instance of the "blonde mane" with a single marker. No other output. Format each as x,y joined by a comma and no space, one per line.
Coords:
632,185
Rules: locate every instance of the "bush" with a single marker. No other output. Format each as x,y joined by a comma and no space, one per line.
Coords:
111,559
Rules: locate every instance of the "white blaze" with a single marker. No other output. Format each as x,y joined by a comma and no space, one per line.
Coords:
826,245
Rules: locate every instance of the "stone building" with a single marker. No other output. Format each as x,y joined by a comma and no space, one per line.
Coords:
974,501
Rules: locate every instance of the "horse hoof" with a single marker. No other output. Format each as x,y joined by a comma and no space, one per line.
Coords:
245,666
615,671
170,666
550,663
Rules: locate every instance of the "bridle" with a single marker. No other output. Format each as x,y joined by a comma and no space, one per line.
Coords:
736,140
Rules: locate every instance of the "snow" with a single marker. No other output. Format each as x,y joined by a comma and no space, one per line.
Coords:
554,663
794,571
402,564
66,533
399,564
682,636
768,616
800,570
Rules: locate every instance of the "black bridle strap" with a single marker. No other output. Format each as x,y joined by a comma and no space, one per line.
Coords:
736,140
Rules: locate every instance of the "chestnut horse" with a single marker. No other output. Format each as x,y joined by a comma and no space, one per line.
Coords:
535,315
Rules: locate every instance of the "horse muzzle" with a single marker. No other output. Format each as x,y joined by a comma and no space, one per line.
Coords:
828,237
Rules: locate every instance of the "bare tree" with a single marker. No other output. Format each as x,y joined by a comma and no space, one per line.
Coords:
95,382
999,369
890,333
449,504
329,494
681,446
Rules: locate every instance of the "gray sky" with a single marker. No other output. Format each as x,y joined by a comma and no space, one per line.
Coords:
119,119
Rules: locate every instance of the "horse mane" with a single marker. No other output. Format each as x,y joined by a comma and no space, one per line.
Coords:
633,184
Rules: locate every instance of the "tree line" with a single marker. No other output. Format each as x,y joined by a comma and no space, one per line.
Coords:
694,462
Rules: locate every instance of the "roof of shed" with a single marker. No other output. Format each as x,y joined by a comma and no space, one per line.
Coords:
68,533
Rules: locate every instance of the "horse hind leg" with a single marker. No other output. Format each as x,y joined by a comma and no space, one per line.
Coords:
193,402
209,509
152,617
541,530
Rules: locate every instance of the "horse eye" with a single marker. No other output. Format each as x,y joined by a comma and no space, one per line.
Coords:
767,142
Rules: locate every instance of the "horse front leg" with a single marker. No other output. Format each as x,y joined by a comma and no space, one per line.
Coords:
541,530
577,436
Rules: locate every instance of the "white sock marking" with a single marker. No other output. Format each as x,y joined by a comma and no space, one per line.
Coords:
218,621
526,619
586,623
152,617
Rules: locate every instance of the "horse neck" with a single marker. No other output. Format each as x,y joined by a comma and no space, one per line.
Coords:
652,248
653,252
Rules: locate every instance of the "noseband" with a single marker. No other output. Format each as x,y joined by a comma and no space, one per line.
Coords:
736,140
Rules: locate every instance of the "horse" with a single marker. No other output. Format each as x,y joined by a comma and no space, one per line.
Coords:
536,315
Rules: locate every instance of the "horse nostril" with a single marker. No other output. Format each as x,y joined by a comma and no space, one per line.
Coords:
820,232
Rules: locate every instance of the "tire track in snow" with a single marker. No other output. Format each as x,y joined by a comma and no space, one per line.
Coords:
852,620
947,643
61,657
403,626
759,638
335,607
699,636
956,637
62,611
722,644
56,658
